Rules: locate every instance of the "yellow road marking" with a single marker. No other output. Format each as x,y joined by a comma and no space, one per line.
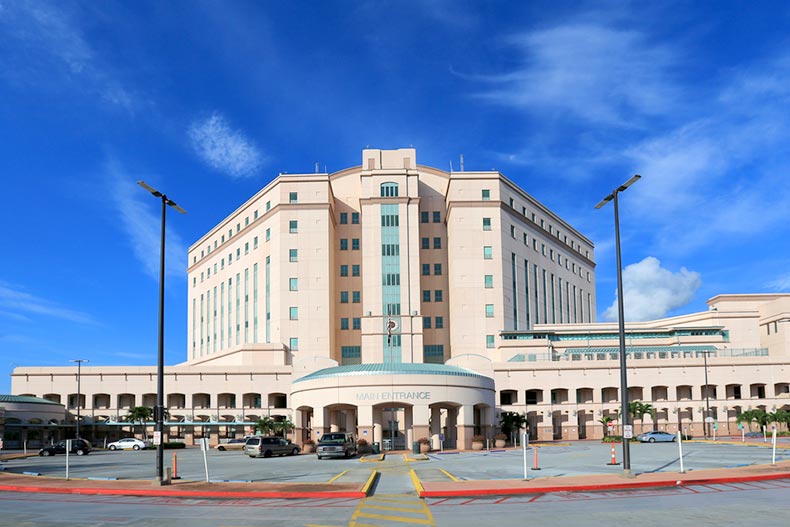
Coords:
421,521
337,477
368,505
453,478
416,481
369,483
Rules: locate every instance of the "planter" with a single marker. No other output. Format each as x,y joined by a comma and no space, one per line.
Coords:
477,445
499,443
308,449
425,448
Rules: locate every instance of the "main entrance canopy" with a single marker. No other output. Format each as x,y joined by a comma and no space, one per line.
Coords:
395,403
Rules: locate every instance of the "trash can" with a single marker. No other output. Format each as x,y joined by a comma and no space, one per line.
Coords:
377,448
415,447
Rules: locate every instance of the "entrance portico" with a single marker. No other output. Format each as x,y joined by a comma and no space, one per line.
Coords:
396,404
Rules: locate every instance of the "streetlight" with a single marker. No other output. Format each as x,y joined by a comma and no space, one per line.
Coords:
621,322
160,369
79,392
707,396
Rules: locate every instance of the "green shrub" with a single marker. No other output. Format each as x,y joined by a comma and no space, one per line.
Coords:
171,445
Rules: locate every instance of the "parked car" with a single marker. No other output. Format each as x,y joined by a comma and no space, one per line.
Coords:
78,446
129,443
268,446
336,444
233,444
656,436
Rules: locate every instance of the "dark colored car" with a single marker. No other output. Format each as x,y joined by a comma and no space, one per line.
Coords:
656,436
78,446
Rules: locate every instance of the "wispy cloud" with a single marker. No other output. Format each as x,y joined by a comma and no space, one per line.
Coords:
223,148
46,47
782,283
650,291
20,304
593,72
142,222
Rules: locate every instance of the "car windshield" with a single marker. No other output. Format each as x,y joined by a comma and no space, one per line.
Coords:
333,439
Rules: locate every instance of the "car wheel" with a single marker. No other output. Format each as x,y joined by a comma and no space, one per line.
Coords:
295,452
268,453
320,457
674,439
80,452
136,447
113,447
221,448
45,453
651,440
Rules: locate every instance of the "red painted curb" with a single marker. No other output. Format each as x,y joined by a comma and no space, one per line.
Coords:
186,494
597,487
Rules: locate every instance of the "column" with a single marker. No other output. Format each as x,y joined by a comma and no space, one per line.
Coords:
466,427
421,415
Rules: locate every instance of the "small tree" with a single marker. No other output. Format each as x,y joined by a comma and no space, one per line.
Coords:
282,427
140,414
605,420
512,422
264,425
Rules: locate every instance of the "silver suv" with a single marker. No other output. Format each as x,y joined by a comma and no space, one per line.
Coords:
268,446
336,444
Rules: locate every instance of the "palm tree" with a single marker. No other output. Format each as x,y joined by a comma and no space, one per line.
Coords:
511,422
264,425
605,420
140,414
282,427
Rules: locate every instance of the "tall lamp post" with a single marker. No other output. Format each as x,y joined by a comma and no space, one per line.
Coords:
621,321
79,392
707,396
160,368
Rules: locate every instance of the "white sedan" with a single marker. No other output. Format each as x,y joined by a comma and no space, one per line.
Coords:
129,443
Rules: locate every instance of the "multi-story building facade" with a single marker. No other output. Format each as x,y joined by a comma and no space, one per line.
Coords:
399,301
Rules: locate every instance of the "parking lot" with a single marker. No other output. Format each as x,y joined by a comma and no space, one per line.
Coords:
554,460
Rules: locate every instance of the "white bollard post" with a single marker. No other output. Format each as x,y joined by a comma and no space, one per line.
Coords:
680,452
773,445
743,435
765,435
524,452
68,449
204,448
24,446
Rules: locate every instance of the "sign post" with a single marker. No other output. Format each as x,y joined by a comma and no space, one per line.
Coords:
680,452
628,432
524,453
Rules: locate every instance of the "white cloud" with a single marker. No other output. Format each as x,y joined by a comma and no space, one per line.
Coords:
17,303
782,283
600,74
142,221
651,291
223,148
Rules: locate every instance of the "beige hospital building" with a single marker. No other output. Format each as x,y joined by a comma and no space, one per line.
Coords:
399,301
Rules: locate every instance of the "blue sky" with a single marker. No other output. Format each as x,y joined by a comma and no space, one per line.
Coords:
208,101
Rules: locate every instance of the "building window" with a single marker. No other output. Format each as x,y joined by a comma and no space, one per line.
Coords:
254,217
356,323
511,203
439,323
433,353
268,234
355,244
437,269
293,226
293,313
437,243
255,243
489,341
426,322
355,270
293,343
426,295
424,217
343,270
351,354
486,224
355,218
343,323
344,297
486,194
437,295
437,216
247,248
426,243
488,252
293,284
293,197
355,297
343,244
293,255
488,280
489,310
513,232
426,269
343,218
268,205
389,190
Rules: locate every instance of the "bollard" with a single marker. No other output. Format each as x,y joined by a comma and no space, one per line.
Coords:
175,466
535,458
614,457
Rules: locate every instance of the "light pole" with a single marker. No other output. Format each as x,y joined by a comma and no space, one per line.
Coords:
621,321
160,368
79,392
707,396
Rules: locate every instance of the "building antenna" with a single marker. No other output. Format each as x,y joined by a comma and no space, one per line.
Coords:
462,162
451,165
316,167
